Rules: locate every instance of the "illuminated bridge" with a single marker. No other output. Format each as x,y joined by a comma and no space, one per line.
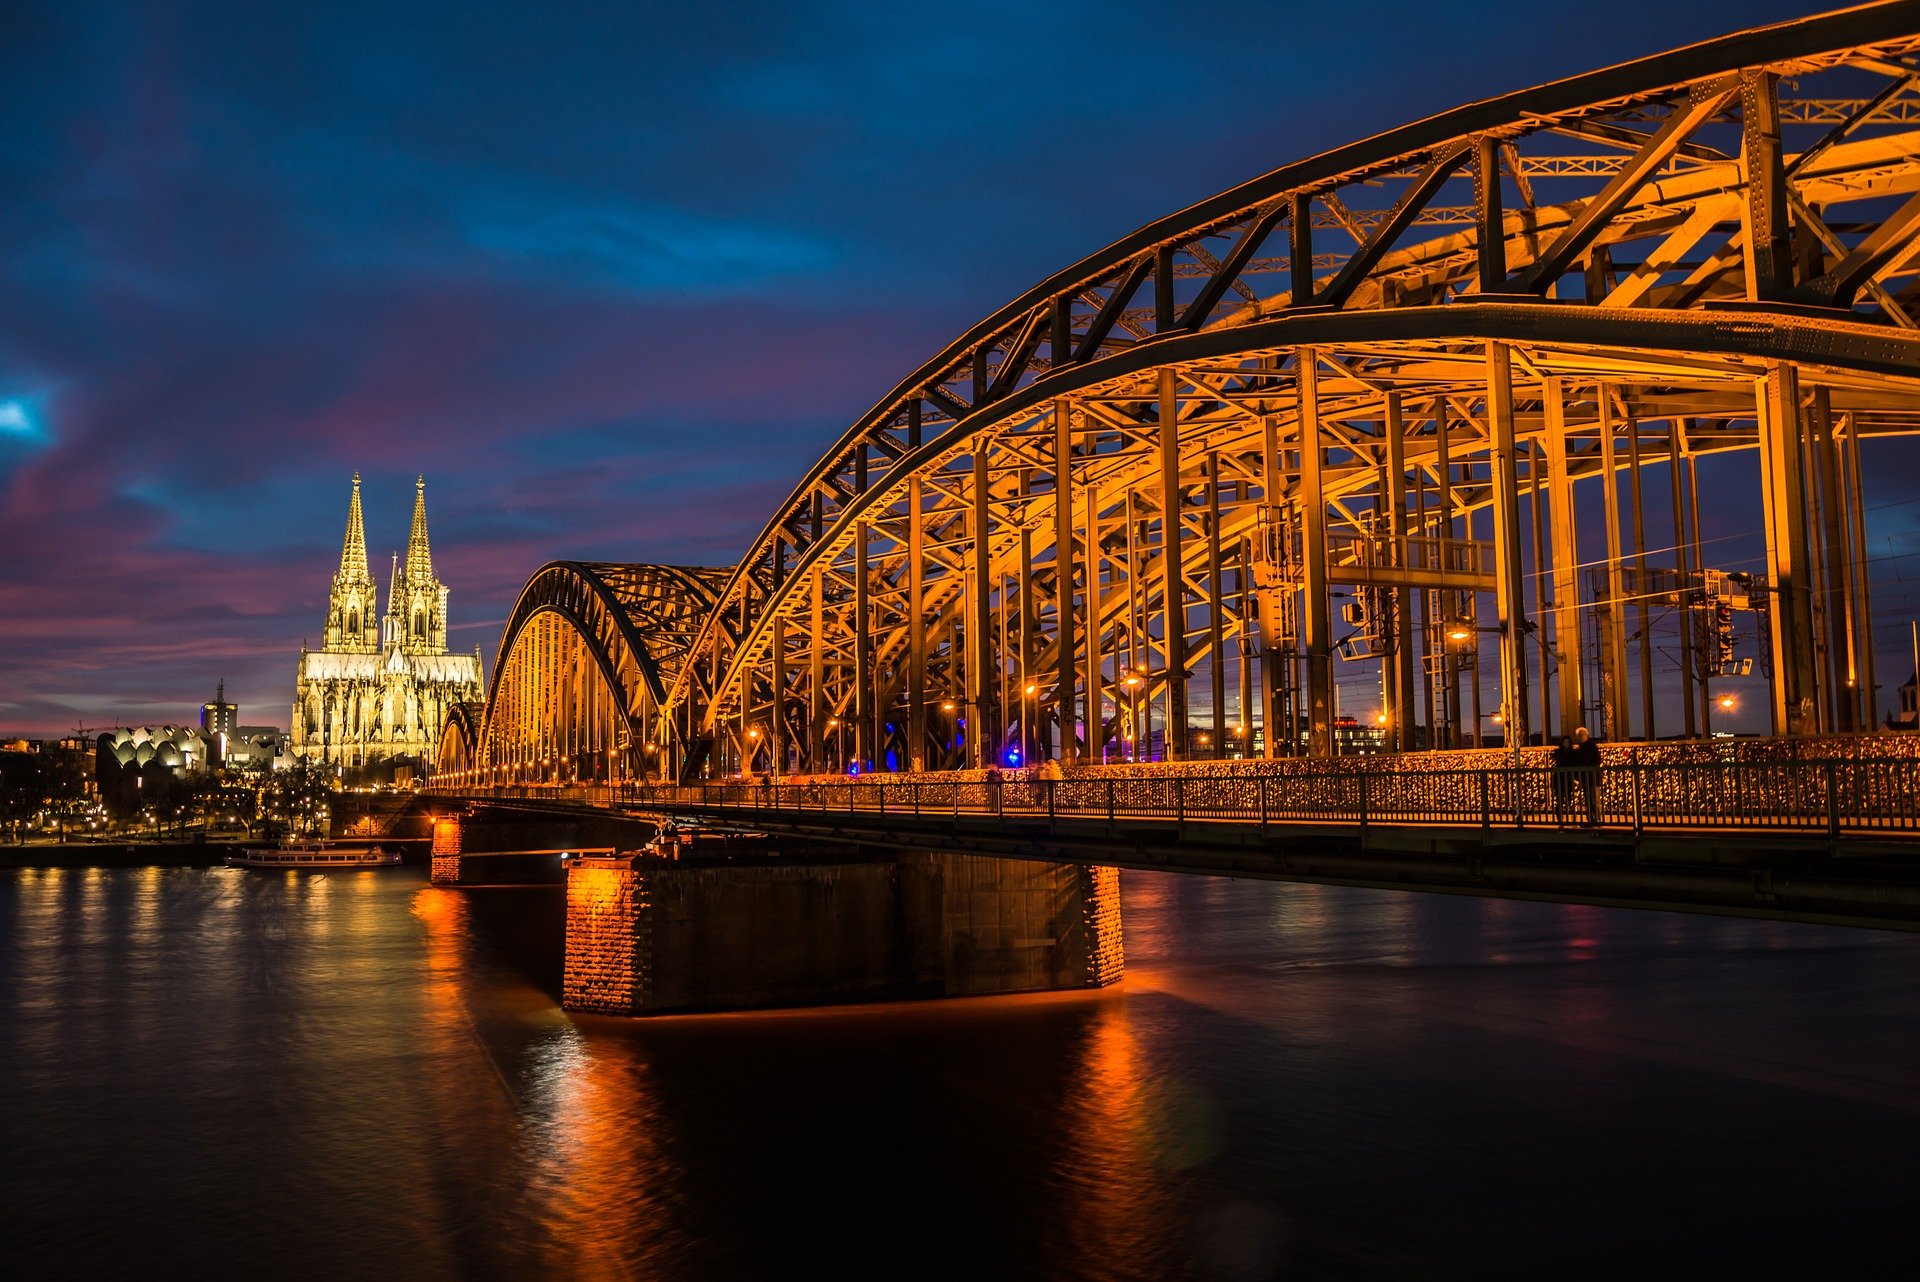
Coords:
1466,408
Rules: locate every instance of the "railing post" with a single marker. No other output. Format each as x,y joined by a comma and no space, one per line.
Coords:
1486,811
1109,801
1179,803
1639,821
1260,782
1833,799
1363,809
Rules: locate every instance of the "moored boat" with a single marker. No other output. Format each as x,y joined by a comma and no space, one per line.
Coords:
312,855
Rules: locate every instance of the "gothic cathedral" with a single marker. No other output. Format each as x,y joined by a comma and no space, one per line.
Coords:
380,689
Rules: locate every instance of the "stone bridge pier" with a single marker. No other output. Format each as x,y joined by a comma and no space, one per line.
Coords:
480,847
647,935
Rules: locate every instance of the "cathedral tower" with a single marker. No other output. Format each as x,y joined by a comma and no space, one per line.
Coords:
353,614
423,605
380,690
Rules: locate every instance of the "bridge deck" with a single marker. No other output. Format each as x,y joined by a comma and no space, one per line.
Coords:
1835,841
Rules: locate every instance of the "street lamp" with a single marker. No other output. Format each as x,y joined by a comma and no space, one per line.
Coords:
1135,681
1032,696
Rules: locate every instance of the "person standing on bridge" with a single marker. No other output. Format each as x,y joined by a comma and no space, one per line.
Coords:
1586,763
1562,778
1048,775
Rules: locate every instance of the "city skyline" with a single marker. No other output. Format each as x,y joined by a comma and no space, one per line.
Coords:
228,289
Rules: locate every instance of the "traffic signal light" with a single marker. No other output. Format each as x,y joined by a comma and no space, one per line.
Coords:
1722,654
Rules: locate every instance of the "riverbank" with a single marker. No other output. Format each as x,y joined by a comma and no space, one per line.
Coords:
152,854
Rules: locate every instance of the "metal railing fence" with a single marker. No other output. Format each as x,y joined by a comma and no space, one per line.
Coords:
1834,797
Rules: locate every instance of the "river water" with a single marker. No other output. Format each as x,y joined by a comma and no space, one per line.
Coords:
214,1073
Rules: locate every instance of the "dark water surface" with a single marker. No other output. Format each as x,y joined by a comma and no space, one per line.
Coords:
228,1074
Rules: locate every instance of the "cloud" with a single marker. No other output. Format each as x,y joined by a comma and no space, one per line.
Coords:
612,277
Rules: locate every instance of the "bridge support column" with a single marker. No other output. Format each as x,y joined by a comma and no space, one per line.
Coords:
1613,623
445,851
1397,678
648,936
1173,589
1510,582
1313,554
1566,561
1796,707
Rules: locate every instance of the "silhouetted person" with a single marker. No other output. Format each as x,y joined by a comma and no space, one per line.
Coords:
993,788
1586,762
1563,763
1048,775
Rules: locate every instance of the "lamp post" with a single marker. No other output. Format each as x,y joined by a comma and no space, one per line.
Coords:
1029,696
950,708
1135,681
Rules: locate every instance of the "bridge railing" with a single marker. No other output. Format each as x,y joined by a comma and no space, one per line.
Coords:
1831,796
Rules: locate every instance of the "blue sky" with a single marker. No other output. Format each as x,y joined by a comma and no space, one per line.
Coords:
610,275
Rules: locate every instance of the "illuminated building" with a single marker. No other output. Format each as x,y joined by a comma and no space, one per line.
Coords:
378,691
218,721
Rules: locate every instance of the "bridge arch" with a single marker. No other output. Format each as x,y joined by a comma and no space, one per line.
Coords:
584,661
460,739
1615,278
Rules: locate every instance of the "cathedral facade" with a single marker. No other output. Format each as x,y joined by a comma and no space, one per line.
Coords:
380,687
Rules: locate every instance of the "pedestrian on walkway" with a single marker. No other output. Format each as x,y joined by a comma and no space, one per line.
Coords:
1586,762
1050,773
1562,778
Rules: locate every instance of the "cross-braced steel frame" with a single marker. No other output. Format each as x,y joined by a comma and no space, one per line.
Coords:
1386,373
588,655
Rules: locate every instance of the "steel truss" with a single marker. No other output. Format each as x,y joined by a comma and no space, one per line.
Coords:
1354,374
586,659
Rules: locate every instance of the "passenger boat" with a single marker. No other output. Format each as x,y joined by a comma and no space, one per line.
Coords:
312,855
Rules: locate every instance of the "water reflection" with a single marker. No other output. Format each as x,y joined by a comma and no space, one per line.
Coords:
365,1075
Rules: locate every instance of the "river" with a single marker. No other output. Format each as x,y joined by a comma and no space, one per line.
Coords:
226,1074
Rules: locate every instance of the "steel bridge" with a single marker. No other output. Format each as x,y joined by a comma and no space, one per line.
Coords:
1431,406
1797,839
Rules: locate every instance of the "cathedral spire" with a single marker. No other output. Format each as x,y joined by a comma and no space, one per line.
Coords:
353,553
419,557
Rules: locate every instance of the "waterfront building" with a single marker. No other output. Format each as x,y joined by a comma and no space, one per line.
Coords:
218,720
177,749
257,748
379,690
219,717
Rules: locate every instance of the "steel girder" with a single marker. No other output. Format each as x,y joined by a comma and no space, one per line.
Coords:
586,634
1639,248
461,737
1624,385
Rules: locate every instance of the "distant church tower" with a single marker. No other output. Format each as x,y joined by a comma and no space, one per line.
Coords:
352,616
380,689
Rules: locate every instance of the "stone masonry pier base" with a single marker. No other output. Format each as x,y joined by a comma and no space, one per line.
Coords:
647,936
